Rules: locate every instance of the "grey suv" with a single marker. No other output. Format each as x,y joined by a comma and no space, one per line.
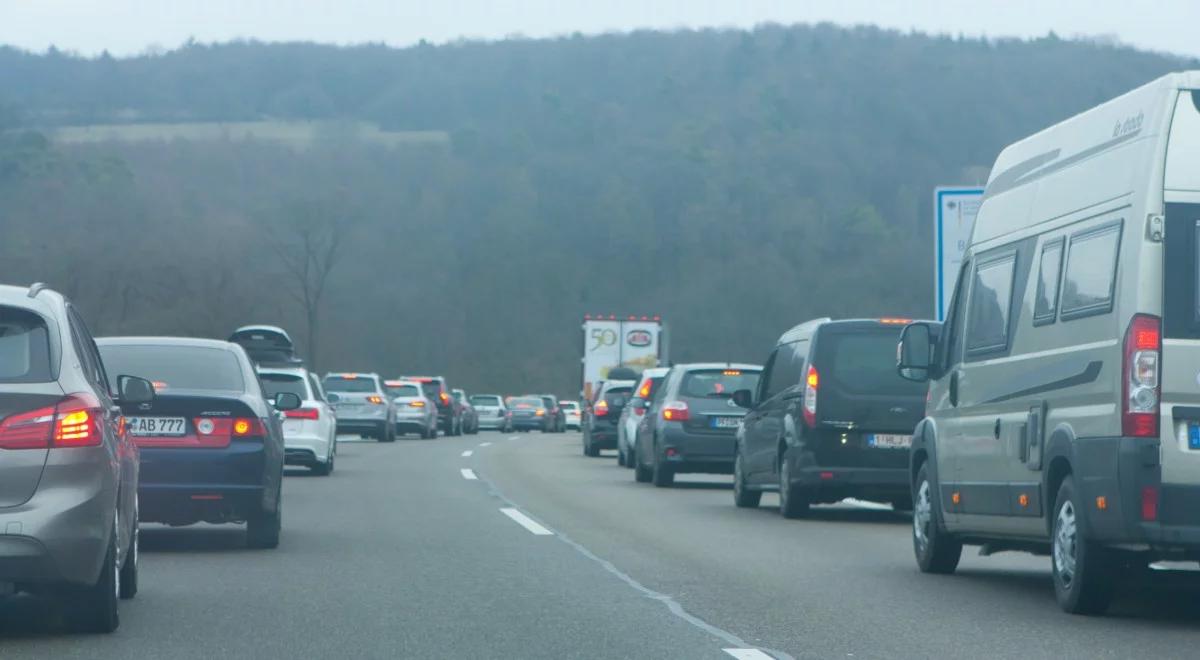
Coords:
68,471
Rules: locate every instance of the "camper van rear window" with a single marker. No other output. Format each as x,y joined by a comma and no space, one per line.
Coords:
1090,272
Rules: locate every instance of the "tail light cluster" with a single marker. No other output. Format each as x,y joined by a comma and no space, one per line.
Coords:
675,411
541,412
1140,377
303,413
230,427
444,398
811,382
375,399
72,422
416,404
601,409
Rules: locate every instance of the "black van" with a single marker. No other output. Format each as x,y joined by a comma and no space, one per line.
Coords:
830,419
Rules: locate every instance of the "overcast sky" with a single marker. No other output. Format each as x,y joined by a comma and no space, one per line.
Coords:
128,26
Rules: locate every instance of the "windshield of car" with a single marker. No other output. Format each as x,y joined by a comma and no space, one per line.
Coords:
864,361
337,383
24,347
721,383
485,400
175,367
274,383
397,391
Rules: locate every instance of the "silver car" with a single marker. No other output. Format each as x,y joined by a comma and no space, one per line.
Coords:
415,412
362,405
492,412
68,471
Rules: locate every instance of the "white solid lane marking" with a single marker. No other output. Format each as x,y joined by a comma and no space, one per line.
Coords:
748,654
468,473
467,453
484,444
526,522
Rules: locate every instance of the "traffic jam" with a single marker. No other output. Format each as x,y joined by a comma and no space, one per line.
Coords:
1054,411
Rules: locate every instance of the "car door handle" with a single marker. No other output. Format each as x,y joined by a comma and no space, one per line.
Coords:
996,429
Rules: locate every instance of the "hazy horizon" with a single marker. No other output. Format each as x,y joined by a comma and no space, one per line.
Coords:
131,27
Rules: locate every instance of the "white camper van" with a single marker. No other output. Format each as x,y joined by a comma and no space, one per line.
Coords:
1064,404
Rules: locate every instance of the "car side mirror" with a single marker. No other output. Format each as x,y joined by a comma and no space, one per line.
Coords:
134,390
332,397
285,401
915,352
743,398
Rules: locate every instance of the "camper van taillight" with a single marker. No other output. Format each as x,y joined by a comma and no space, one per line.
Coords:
1140,377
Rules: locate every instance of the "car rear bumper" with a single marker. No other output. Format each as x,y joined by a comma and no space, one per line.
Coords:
181,486
361,426
697,452
603,435
61,534
306,449
826,483
186,504
492,422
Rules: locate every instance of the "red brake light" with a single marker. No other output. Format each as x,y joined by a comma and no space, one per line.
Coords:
349,376
601,408
1149,503
303,413
731,372
676,411
811,382
73,422
895,321
444,397
1140,377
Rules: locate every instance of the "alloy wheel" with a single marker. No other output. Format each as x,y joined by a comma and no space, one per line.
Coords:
1065,538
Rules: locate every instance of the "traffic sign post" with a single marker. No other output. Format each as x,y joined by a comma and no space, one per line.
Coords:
954,209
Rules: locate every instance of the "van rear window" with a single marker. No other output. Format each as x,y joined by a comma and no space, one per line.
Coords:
1181,272
24,347
864,361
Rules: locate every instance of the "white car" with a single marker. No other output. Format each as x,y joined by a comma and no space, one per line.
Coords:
632,415
415,412
310,431
574,417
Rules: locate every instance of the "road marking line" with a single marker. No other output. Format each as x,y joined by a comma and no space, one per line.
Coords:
484,444
468,473
514,437
526,522
748,654
467,453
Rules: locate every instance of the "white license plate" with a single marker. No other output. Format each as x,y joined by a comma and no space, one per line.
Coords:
156,425
889,441
725,422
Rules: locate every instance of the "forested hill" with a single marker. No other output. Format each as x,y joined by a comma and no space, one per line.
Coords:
734,182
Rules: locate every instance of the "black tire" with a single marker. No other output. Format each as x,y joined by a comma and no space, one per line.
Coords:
936,551
793,503
425,434
129,569
641,473
589,448
94,609
262,531
323,469
742,497
1083,569
903,504
620,454
662,475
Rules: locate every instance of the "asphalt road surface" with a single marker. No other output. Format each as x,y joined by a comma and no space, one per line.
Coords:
523,548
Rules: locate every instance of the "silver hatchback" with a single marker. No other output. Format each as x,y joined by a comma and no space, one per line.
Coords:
68,472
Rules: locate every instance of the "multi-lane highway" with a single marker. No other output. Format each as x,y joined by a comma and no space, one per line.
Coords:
499,546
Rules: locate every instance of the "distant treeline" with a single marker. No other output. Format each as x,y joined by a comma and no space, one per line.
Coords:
734,182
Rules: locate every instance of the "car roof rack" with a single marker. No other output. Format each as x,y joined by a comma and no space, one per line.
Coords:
35,289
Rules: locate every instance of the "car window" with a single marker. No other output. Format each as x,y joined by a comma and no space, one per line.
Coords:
485,400
432,389
82,343
24,347
864,362
526,402
786,369
318,391
349,383
176,367
618,396
722,383
952,347
991,298
397,391
1089,274
1049,268
273,384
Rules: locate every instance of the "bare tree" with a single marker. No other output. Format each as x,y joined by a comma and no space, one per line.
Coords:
308,244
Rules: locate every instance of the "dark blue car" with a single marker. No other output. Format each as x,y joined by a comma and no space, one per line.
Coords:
211,445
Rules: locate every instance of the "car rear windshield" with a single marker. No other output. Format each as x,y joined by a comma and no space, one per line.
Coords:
527,402
433,389
403,390
864,361
175,367
273,384
618,396
349,384
720,383
485,400
24,347
570,405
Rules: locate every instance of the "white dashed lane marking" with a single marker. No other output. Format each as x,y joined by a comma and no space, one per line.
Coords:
468,473
748,654
467,453
526,522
